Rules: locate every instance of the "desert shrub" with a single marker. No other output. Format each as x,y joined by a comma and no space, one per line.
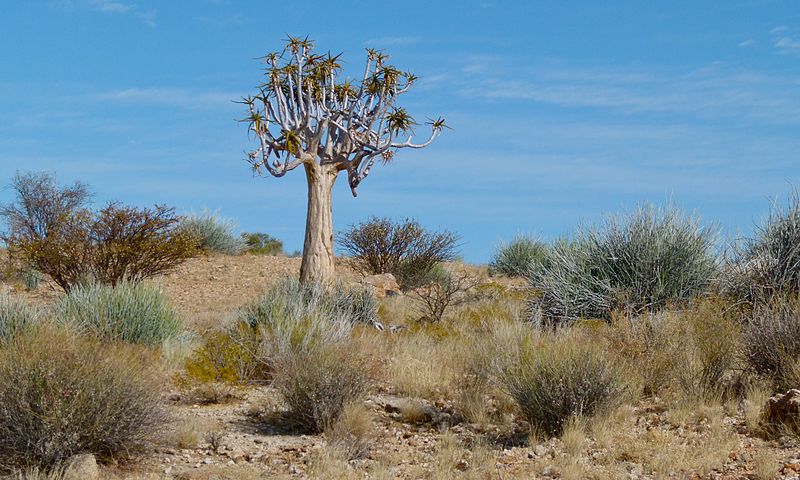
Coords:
134,313
516,258
772,342
262,244
639,263
405,249
226,356
767,265
50,229
62,395
318,380
447,289
556,377
290,305
131,244
215,234
15,317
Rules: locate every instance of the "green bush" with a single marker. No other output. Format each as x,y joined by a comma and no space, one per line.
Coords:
262,244
638,263
556,377
517,258
134,313
216,234
227,356
772,342
15,317
767,265
61,395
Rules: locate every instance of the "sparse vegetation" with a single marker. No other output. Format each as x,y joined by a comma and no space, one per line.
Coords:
772,339
134,313
262,244
214,233
62,395
405,249
446,289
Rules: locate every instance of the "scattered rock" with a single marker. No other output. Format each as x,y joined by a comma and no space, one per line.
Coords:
783,409
384,285
82,467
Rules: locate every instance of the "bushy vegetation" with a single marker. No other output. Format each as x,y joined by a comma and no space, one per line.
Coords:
766,265
303,337
696,350
262,244
639,262
772,340
405,249
290,303
318,380
134,313
62,395
215,234
518,257
50,229
556,377
15,317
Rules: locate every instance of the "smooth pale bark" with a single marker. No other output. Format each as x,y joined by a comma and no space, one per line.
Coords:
317,264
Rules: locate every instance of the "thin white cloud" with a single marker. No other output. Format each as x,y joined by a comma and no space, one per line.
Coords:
110,7
712,92
392,41
171,97
746,43
779,29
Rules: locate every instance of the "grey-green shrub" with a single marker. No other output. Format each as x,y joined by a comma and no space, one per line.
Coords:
555,377
15,317
61,395
518,257
638,262
302,332
767,264
133,313
289,302
215,233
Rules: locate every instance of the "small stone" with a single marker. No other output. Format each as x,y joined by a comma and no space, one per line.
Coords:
81,467
539,450
167,470
208,461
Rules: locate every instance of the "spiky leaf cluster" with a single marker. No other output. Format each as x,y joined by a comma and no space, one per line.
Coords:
307,111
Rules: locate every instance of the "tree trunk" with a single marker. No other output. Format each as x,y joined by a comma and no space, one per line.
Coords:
317,262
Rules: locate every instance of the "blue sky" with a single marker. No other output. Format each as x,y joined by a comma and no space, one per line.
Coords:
562,111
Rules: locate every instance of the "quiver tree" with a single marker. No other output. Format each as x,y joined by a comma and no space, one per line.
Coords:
306,113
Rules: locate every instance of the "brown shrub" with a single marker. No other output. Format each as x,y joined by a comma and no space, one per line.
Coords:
405,249
50,229
61,395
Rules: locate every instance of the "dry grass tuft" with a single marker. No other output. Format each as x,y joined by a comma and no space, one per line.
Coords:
353,433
